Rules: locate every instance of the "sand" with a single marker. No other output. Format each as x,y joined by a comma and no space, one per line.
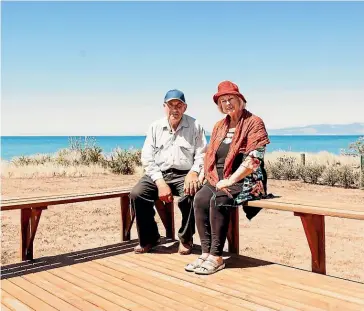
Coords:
272,235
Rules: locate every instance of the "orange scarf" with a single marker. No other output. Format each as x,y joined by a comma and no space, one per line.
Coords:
250,134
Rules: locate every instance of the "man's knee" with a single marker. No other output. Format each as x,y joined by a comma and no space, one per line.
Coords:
136,192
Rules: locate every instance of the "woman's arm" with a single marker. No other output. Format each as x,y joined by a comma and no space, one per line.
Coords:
248,166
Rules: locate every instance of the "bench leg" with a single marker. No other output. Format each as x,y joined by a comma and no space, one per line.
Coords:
314,226
166,213
126,220
29,220
233,232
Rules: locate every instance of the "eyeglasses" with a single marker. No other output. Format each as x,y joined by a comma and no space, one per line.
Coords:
178,106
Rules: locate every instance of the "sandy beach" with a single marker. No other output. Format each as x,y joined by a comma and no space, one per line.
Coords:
272,235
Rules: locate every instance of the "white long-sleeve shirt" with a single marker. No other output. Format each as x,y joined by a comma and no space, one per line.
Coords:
183,149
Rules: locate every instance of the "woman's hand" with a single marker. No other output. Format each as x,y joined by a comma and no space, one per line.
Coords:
222,184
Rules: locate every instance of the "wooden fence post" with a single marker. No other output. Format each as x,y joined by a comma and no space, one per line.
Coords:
303,159
361,185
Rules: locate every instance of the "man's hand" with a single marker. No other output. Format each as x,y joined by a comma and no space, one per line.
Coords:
201,177
164,191
192,183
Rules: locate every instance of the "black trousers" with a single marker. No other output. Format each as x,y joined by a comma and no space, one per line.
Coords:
212,214
143,195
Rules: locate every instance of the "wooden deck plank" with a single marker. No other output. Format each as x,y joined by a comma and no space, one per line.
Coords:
25,297
110,276
13,303
350,291
157,281
138,277
211,297
254,284
314,286
202,282
4,308
301,284
303,295
139,297
106,300
42,294
279,294
280,286
59,292
98,301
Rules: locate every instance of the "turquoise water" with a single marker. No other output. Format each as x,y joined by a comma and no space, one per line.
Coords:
12,146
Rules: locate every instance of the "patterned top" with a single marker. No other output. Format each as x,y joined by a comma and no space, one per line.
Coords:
254,186
229,136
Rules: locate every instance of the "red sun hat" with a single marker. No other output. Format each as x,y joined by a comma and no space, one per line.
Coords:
227,87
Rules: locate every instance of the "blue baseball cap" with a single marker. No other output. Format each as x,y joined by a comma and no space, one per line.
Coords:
175,94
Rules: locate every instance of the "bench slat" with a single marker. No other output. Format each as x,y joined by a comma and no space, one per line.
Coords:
306,209
60,199
331,205
63,195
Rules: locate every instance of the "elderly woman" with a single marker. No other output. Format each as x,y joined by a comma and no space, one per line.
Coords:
233,173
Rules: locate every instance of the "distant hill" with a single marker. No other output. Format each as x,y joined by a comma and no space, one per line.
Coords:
321,129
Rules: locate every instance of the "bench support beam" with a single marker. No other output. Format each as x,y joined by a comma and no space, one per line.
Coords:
233,232
166,214
314,226
126,220
29,220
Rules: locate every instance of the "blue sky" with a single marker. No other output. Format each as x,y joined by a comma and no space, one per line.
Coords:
102,68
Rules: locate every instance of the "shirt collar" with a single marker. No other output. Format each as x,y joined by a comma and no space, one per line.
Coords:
183,123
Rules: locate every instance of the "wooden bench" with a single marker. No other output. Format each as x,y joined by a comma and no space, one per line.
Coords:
313,220
312,216
31,210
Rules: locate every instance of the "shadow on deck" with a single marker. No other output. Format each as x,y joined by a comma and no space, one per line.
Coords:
168,246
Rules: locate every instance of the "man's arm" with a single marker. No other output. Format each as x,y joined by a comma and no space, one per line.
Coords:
200,151
152,169
192,180
148,151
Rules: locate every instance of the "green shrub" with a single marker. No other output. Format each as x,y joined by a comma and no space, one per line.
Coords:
311,172
137,156
273,170
122,162
331,175
91,155
21,161
284,167
348,178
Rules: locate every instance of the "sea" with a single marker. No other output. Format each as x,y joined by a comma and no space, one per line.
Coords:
15,146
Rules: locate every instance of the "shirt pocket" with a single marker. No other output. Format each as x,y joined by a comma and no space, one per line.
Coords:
186,151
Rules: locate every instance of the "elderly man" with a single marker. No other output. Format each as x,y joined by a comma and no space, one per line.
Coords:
172,157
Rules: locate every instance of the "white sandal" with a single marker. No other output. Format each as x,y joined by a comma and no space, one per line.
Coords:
209,266
191,267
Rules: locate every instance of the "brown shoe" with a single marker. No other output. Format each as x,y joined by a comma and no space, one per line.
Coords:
185,248
145,249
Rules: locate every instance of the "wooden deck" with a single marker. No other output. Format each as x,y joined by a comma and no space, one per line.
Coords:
114,278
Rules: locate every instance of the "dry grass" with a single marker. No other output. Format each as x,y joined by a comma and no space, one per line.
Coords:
55,165
323,157
50,169
10,170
